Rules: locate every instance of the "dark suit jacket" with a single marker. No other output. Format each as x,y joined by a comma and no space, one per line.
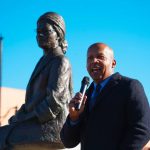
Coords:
47,96
119,120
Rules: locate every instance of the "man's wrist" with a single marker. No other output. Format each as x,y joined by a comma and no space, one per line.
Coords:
73,121
73,118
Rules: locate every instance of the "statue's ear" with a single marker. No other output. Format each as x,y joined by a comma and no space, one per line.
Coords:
64,46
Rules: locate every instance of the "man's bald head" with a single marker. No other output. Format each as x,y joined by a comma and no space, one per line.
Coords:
100,61
101,46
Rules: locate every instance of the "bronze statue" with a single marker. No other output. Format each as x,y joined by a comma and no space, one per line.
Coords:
40,118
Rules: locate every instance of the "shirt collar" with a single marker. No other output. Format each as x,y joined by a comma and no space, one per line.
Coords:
104,82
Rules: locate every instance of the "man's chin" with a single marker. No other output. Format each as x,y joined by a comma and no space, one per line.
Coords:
97,78
96,75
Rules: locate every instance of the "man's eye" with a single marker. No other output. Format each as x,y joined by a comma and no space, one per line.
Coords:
101,57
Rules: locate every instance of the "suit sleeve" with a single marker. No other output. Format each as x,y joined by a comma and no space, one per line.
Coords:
57,93
70,134
137,118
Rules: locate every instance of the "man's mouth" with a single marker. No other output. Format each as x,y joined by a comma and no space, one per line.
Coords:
96,69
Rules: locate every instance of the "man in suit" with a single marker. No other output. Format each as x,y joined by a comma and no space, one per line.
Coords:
114,116
38,122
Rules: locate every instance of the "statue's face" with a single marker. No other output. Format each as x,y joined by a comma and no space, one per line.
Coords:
46,36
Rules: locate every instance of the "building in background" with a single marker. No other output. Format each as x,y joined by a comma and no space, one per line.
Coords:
11,99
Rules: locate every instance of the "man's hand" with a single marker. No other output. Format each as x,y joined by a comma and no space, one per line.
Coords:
73,113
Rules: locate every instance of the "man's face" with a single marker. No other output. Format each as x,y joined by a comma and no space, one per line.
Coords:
100,63
46,36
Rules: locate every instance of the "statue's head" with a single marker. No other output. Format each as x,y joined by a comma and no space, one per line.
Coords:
51,31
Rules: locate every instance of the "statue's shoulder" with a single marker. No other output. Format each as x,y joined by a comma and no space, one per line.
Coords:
62,59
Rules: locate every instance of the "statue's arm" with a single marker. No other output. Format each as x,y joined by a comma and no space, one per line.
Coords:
58,93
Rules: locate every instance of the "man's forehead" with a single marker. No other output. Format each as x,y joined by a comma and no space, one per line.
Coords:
99,50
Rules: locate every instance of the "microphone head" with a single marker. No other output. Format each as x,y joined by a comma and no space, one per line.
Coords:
86,80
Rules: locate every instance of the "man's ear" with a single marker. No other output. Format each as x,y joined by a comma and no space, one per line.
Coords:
114,63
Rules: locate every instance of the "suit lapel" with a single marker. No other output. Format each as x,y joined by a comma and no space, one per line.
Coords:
34,71
107,89
36,67
44,61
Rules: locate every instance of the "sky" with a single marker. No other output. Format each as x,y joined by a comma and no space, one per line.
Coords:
122,24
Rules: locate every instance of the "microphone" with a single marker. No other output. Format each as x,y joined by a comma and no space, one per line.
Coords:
84,84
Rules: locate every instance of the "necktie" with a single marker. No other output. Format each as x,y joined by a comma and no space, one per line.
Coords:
94,95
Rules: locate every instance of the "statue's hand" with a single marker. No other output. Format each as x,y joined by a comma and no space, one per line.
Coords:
20,117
